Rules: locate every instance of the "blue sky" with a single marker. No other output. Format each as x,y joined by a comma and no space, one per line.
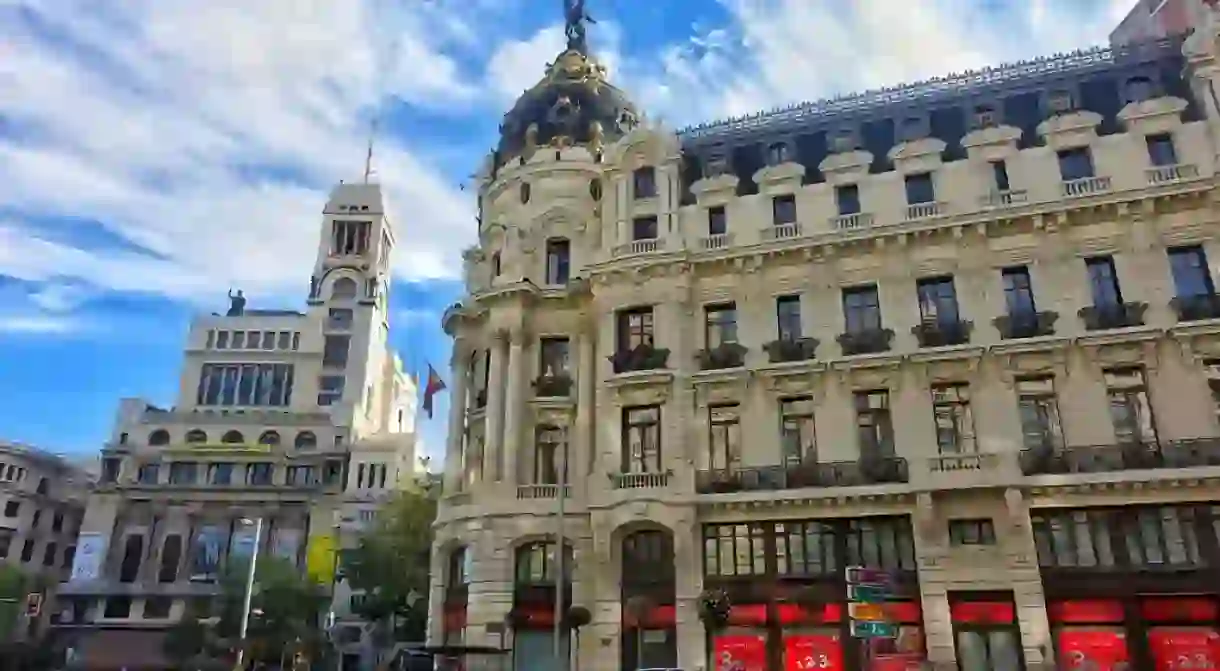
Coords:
155,153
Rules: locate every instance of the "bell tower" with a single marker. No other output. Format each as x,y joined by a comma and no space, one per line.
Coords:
349,294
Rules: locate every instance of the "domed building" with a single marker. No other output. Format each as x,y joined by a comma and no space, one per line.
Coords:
924,374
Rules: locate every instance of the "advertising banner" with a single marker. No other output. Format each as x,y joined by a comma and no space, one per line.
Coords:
740,653
320,558
1193,648
241,544
205,554
1093,650
90,553
803,652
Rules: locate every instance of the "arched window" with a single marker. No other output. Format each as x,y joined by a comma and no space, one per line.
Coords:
345,288
458,574
648,557
537,563
195,436
495,264
558,261
644,183
269,438
548,456
305,440
158,438
171,556
232,437
777,153
525,192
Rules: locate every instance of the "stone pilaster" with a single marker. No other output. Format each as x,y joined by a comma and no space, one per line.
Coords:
495,405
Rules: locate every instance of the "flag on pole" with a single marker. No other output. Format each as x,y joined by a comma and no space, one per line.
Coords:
434,386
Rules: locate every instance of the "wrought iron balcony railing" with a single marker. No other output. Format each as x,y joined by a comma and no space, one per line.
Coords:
1189,453
862,472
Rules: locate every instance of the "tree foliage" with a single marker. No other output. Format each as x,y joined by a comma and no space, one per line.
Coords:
392,562
13,585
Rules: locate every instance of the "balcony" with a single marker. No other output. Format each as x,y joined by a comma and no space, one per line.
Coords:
1168,174
870,341
942,332
640,480
851,222
553,386
1026,324
639,358
637,247
1196,308
535,492
917,211
997,199
1114,316
781,232
864,472
1085,186
1191,453
726,355
718,241
788,350
977,469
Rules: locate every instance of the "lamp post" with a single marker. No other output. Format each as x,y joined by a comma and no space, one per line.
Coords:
249,595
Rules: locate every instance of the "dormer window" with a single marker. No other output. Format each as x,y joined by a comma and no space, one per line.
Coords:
842,142
1060,102
912,129
644,183
644,228
350,238
985,117
777,153
558,261
1139,89
920,189
783,210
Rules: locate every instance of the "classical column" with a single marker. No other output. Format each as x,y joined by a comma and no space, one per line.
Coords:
457,418
513,407
586,381
495,404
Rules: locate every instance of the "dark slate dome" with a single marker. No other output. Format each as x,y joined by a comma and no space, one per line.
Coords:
572,105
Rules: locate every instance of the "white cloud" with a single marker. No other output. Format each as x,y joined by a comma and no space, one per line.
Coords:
36,324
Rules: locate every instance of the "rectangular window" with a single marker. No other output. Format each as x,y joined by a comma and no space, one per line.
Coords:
920,188
1161,152
211,340
806,549
999,176
259,474
954,419
719,325
642,439
27,554
979,531
296,340
299,476
148,474
548,456
988,648
635,328
330,389
783,210
874,425
1039,413
1130,409
788,317
734,549
862,309
12,508
182,472
285,340
57,522
222,340
1103,281
220,473
1075,164
797,432
553,357
717,221
847,197
1018,291
937,300
6,542
644,183
350,238
335,350
882,543
239,340
724,441
644,228
558,261
268,340
48,554
261,385
338,319
1191,274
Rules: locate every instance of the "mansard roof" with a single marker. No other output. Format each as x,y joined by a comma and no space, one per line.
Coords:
1019,94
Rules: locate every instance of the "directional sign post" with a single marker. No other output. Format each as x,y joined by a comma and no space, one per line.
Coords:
867,592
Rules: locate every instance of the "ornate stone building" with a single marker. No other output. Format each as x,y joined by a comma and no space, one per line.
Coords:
964,331
294,423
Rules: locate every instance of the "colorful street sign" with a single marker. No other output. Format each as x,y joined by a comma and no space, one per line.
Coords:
858,575
871,612
873,629
868,593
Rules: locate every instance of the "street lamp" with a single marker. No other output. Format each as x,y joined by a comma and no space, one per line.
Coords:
245,609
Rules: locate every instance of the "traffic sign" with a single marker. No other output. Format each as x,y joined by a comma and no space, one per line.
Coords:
33,604
867,593
873,612
858,575
873,629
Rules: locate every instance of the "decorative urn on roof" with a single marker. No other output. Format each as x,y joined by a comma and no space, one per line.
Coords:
573,104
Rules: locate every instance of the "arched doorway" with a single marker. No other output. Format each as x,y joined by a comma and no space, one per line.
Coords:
457,586
649,636
532,618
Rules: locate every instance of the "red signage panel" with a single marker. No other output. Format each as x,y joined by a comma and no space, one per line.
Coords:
740,653
983,612
1174,648
1093,649
1180,609
806,652
1093,611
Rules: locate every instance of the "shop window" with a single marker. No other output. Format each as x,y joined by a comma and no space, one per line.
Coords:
986,635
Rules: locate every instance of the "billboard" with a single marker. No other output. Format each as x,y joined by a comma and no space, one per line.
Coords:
90,553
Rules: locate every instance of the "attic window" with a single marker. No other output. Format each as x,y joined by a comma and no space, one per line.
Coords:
985,117
777,153
843,141
1060,102
912,129
717,166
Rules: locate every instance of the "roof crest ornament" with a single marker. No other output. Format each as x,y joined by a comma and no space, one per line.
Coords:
574,19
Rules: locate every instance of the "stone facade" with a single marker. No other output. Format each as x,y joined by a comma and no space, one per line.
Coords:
1007,346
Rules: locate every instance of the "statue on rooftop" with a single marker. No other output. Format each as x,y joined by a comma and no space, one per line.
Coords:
575,17
237,304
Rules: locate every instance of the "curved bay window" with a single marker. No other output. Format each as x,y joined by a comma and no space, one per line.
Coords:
536,578
457,591
786,583
1135,585
649,635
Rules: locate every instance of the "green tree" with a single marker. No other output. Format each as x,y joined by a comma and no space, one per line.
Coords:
285,610
13,585
392,562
